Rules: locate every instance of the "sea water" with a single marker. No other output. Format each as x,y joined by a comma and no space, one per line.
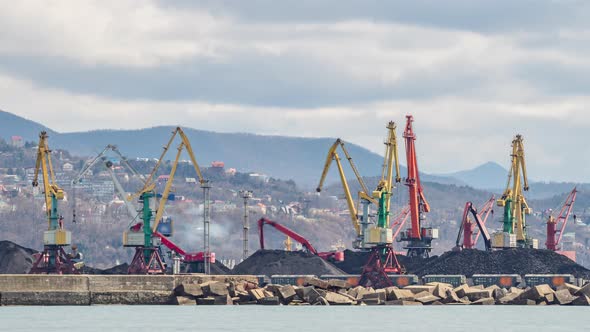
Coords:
290,318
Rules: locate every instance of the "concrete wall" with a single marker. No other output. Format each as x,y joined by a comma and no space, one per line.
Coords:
27,289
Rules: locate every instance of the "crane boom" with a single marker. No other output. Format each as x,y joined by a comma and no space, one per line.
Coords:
552,242
167,188
131,209
485,212
333,156
189,149
467,227
89,165
283,229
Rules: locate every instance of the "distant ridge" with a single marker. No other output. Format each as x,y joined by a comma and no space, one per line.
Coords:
290,158
488,176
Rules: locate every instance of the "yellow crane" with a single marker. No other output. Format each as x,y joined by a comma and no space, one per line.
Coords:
513,201
53,259
381,196
146,259
363,194
385,186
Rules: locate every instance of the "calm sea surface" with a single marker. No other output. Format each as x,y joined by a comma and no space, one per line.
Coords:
258,318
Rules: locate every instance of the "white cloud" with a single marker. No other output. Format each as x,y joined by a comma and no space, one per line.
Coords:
460,85
452,133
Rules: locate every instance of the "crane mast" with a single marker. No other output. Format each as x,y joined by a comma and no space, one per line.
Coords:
418,238
514,202
53,259
383,259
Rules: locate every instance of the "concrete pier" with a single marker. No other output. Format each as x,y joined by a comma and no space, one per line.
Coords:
27,289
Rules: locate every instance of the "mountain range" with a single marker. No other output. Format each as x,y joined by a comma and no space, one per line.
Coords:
289,158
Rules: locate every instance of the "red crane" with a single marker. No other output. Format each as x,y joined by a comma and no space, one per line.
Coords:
553,242
187,257
335,256
418,238
467,229
399,221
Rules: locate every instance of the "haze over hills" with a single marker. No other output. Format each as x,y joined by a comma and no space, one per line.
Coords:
296,158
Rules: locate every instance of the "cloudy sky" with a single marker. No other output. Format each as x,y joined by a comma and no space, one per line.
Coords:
473,73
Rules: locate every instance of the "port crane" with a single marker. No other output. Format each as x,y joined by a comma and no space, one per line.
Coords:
330,256
360,226
398,223
53,259
554,235
383,259
147,258
514,202
468,236
102,158
418,238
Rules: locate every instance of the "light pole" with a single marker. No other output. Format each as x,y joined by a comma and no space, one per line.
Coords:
246,195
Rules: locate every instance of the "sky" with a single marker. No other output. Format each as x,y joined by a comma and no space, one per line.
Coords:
472,73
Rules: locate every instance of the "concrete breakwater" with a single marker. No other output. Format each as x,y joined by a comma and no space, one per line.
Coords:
100,289
244,290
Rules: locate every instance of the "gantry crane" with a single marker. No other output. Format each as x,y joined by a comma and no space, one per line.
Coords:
147,259
330,256
514,203
468,236
360,227
53,259
553,240
418,238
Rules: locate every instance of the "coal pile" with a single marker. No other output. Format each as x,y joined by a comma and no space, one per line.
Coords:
15,259
218,268
514,261
277,262
354,261
118,269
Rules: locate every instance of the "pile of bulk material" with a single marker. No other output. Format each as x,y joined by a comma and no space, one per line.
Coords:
513,261
470,262
15,259
280,262
354,261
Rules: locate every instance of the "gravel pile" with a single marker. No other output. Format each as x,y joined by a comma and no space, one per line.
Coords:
15,259
277,262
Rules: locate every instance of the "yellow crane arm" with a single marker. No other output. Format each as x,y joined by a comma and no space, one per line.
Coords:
191,154
348,196
391,159
359,178
43,165
523,166
150,178
327,164
167,188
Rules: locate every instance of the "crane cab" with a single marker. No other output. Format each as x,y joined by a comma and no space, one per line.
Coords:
165,227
